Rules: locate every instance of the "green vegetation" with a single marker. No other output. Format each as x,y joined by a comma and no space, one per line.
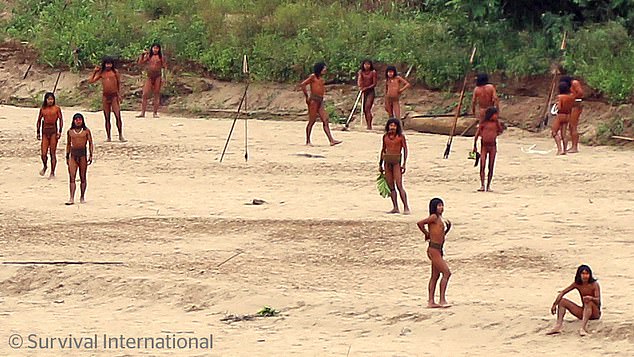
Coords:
284,38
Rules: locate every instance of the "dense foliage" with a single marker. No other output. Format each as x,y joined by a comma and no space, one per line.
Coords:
284,38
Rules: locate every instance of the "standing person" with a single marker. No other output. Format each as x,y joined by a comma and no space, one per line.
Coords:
393,143
366,81
435,234
488,130
111,98
156,63
590,308
315,102
484,97
47,120
565,102
78,139
393,91
577,92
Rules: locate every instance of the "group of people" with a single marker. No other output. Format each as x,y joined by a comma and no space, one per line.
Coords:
392,158
79,143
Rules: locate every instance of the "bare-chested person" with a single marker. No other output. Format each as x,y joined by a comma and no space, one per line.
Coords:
565,103
484,97
393,91
111,100
156,63
366,81
315,102
590,308
47,120
393,143
577,91
78,140
435,234
488,130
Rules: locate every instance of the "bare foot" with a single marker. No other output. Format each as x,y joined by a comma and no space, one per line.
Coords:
573,151
583,332
51,176
335,142
43,171
121,139
433,305
70,203
82,200
345,128
155,115
394,211
556,330
561,153
108,140
481,189
142,115
406,211
489,189
309,144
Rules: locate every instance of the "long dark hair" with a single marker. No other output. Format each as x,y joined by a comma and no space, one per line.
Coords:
399,128
490,112
319,66
46,96
433,205
564,87
367,61
83,121
160,51
106,60
567,79
482,79
391,68
580,270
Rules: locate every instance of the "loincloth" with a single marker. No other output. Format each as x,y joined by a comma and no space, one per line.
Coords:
317,99
110,98
78,153
49,131
434,245
392,159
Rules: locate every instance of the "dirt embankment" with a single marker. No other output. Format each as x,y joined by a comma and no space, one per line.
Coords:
192,92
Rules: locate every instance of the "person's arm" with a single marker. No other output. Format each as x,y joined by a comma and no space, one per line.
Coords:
67,146
496,100
596,298
421,225
38,124
553,309
473,103
381,155
500,126
359,81
144,57
118,77
305,83
475,138
61,122
404,155
405,82
449,225
96,75
375,80
91,146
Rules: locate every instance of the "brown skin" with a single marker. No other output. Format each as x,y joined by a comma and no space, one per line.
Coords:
590,294
77,139
488,130
366,81
436,233
111,83
154,81
393,91
47,120
484,97
394,144
565,102
315,108
577,92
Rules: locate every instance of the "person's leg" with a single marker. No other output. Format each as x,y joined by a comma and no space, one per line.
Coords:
156,89
147,88
556,135
398,180
389,177
564,138
590,312
389,107
326,124
83,168
564,305
396,108
492,153
53,150
440,264
312,117
106,103
72,174
431,287
483,159
367,109
574,129
116,108
44,153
